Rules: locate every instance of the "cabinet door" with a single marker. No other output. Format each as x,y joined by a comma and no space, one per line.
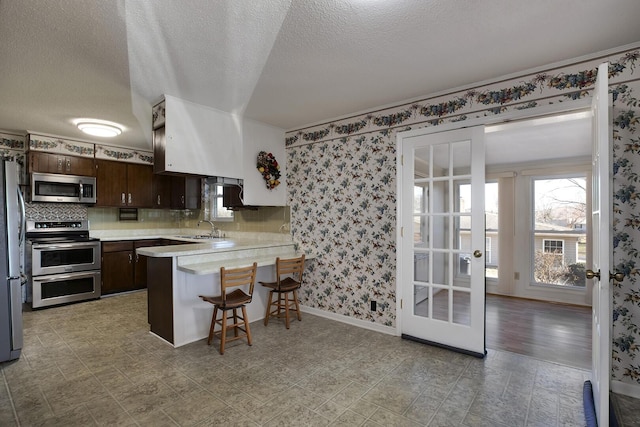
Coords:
55,163
140,262
161,191
43,162
139,186
117,272
111,182
192,192
231,197
83,166
177,192
185,192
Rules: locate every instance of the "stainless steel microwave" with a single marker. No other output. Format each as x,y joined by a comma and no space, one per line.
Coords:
49,187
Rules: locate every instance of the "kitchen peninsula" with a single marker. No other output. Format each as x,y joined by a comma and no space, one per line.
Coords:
177,274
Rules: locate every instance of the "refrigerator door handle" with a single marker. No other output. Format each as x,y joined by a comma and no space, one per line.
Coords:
23,217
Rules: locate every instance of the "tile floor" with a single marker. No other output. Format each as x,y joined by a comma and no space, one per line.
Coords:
94,363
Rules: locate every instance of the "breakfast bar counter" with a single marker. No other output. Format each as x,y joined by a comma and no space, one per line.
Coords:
178,274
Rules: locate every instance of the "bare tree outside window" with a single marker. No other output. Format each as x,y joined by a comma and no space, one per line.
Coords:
559,236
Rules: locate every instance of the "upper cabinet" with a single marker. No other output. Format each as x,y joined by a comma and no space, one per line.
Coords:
49,154
193,139
196,140
124,183
57,163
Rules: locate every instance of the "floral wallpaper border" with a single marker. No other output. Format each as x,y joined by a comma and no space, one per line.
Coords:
59,145
342,178
549,87
107,152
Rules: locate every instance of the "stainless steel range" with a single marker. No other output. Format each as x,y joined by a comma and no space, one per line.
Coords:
62,262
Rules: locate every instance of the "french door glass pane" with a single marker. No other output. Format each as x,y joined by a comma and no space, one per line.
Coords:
421,301
420,231
462,308
461,156
420,267
420,199
440,197
441,304
440,161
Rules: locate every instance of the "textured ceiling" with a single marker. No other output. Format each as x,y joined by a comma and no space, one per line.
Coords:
286,63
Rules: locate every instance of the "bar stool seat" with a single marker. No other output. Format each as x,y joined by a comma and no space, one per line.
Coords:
227,303
288,280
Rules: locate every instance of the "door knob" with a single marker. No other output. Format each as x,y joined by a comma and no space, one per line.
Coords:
618,277
477,253
590,274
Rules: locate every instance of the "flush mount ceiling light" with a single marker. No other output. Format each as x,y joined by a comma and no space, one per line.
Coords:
99,127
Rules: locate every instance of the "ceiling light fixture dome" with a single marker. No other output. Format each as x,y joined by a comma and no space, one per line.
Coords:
99,128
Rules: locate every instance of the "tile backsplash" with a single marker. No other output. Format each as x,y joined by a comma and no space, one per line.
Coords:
267,219
55,211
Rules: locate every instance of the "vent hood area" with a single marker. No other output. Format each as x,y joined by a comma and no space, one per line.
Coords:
194,139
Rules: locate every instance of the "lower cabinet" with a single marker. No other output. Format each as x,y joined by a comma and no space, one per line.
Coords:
117,267
122,268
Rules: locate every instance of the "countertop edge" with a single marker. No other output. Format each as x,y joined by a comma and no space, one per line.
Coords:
214,266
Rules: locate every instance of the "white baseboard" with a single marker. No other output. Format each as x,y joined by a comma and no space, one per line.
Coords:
350,320
631,390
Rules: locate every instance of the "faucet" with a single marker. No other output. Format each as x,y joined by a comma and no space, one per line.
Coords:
214,230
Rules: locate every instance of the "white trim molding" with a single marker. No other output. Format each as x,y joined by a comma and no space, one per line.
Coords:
350,320
631,390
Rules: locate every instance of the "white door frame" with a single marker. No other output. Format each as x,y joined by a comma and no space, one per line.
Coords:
545,110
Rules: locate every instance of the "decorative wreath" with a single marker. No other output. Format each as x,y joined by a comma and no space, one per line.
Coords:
268,167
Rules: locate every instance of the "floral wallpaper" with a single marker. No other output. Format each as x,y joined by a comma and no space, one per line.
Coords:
626,236
342,182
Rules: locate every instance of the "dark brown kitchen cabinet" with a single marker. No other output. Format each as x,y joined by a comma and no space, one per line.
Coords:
162,191
122,268
57,163
185,192
117,266
122,184
140,261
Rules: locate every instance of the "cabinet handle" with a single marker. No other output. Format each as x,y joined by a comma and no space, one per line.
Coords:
123,199
59,164
137,258
182,199
130,258
158,200
129,198
68,165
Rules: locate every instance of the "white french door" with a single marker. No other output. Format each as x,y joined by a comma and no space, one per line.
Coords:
443,289
602,251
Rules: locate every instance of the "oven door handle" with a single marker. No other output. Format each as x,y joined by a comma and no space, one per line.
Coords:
58,277
41,246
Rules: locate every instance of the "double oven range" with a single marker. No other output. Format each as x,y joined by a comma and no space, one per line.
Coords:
62,262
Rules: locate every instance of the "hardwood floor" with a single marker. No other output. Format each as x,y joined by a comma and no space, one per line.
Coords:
548,331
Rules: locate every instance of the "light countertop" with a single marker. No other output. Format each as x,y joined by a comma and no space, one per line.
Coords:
206,256
199,247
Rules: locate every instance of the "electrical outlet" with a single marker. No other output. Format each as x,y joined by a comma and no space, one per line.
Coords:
373,305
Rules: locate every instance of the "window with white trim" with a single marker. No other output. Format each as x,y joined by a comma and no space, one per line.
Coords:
559,210
215,210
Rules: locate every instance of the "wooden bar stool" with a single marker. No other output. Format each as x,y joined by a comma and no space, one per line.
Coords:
288,280
232,301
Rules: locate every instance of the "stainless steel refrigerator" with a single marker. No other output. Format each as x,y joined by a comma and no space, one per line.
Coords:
11,237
